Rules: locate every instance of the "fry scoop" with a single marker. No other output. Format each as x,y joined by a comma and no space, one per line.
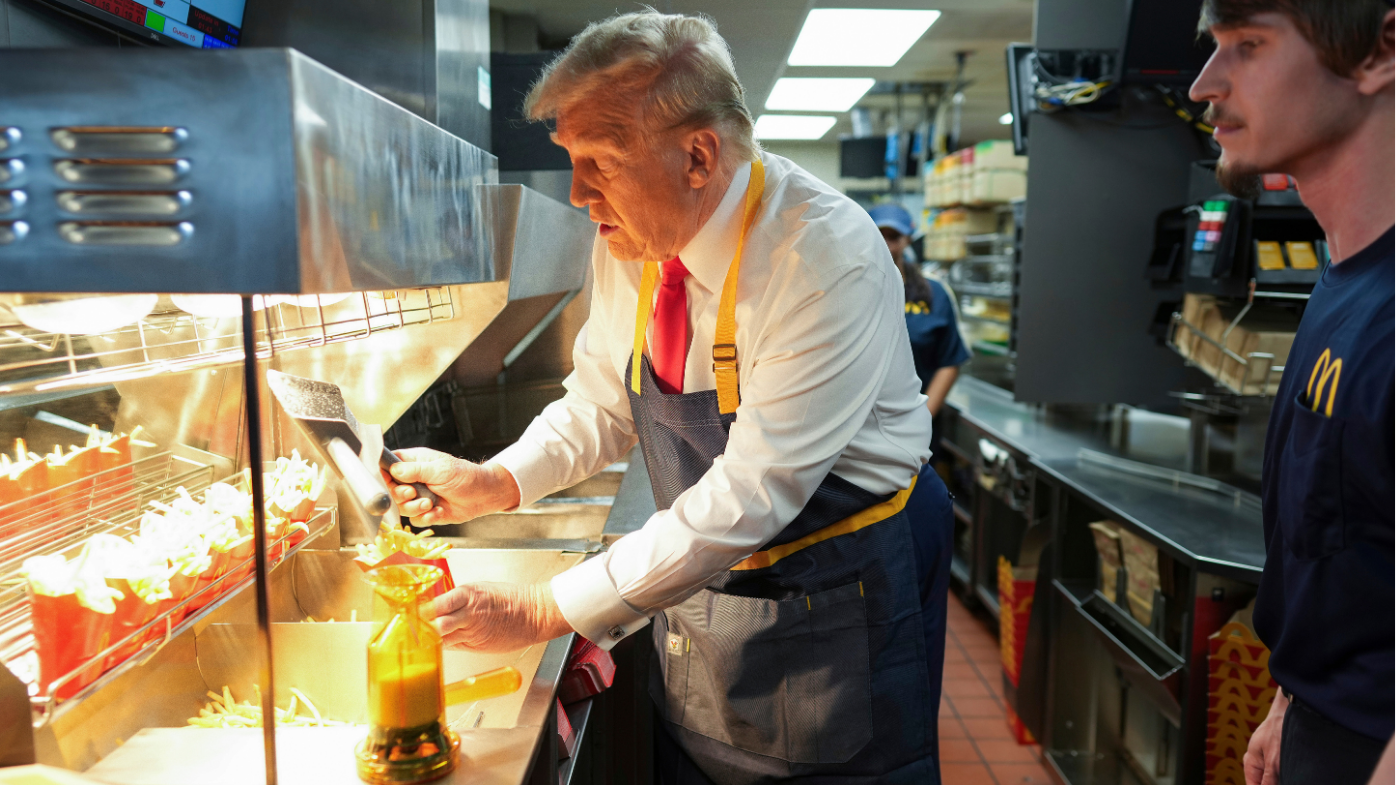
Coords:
319,409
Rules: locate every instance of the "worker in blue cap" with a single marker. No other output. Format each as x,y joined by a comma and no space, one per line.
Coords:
930,315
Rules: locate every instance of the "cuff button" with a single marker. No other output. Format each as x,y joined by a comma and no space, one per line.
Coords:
616,633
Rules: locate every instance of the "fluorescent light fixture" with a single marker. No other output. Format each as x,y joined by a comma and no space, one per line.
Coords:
859,36
817,95
793,126
1006,119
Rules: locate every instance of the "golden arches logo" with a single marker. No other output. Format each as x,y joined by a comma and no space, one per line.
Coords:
1325,367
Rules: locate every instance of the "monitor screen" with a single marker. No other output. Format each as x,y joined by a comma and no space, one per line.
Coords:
202,24
1162,45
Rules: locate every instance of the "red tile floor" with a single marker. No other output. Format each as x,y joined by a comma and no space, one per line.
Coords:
976,747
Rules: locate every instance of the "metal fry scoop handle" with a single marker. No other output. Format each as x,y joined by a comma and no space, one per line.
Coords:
319,409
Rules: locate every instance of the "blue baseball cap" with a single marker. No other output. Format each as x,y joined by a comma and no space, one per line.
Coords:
892,216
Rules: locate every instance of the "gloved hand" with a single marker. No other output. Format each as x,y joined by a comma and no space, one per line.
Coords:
498,616
464,490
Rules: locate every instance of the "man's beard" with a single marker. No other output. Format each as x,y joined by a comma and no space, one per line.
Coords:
1240,181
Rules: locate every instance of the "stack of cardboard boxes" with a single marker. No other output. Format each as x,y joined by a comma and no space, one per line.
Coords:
945,239
1261,338
1016,587
1240,692
987,173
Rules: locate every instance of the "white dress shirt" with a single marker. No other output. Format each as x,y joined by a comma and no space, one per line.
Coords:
826,378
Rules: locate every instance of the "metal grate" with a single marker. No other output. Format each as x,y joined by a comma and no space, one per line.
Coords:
170,340
114,507
109,502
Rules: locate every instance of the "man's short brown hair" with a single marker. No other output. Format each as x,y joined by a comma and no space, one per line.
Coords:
1345,32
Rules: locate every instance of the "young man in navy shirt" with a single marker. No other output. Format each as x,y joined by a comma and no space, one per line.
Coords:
1304,88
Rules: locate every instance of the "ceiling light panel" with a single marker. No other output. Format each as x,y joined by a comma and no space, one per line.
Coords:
859,36
817,95
793,126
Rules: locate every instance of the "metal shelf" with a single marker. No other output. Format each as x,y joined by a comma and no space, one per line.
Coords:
979,239
1244,390
1002,291
990,348
170,340
969,317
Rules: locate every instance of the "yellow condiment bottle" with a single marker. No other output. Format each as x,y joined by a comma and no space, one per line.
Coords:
408,741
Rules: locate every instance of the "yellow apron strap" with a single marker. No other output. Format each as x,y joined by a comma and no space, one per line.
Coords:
725,336
861,520
642,320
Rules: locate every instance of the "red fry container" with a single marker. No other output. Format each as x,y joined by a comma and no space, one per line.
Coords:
132,613
442,586
30,481
67,634
114,463
181,586
216,569
240,559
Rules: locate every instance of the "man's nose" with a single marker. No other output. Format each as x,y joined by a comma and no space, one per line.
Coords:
582,194
1210,85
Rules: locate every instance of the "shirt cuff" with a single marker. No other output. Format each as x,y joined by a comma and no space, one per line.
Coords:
528,465
590,603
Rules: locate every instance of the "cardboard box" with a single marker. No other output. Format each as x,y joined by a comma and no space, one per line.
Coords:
1265,332
1195,308
998,154
997,185
1107,544
1141,564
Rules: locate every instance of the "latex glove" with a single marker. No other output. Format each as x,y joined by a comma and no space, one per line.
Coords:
1262,761
498,616
464,490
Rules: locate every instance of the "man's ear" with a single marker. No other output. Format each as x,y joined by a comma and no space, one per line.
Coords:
1378,72
702,147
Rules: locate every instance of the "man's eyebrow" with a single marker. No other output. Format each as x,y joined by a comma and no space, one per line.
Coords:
1244,24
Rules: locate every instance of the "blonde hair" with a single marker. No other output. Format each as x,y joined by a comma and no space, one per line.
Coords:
679,65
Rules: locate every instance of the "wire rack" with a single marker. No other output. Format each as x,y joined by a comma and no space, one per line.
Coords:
172,340
1253,374
110,502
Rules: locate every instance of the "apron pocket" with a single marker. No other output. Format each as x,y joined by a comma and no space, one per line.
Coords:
786,679
1310,511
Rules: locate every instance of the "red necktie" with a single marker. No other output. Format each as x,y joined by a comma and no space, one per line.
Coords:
670,348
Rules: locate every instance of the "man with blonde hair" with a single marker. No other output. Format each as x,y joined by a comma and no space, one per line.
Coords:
746,329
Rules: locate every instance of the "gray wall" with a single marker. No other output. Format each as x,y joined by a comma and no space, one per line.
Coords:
1094,190
1097,181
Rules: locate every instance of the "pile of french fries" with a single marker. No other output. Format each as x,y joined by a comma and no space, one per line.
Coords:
223,712
392,539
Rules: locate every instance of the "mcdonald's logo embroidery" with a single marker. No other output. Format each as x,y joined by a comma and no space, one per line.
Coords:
918,307
1325,368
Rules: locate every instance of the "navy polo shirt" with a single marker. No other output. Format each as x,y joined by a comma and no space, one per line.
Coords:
1326,598
935,335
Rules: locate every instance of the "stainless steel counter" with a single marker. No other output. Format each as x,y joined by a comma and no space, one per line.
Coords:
1219,531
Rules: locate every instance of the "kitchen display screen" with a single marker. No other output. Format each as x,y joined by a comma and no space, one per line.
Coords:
202,24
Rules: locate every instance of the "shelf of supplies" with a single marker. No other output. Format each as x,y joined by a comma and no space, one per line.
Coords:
1282,295
993,258
969,317
990,348
978,239
999,291
1242,385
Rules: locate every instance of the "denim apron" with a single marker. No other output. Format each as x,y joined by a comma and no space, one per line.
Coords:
807,661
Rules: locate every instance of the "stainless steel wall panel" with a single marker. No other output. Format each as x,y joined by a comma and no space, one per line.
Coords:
386,199
300,181
242,177
462,33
